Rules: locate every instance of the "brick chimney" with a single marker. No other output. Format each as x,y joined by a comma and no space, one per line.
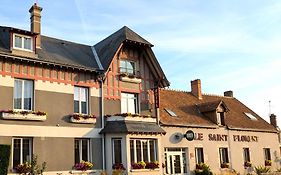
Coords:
196,88
35,22
228,93
273,120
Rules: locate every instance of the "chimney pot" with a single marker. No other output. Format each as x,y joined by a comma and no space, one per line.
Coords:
196,88
228,93
35,22
273,120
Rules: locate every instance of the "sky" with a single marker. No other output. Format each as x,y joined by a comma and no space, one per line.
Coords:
229,45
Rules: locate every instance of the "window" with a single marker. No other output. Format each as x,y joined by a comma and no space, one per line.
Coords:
170,112
82,150
267,155
22,150
22,42
116,151
223,155
199,155
128,67
129,103
23,94
220,118
143,150
246,154
250,116
81,100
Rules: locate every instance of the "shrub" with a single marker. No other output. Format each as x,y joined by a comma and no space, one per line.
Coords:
202,169
5,151
118,166
262,169
31,168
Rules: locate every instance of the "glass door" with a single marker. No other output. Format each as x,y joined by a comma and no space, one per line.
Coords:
176,162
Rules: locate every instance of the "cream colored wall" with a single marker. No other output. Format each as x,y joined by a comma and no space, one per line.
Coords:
211,148
8,81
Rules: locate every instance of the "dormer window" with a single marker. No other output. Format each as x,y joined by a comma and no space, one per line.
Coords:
22,42
220,118
127,67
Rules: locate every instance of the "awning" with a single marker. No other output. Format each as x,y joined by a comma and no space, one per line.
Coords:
131,127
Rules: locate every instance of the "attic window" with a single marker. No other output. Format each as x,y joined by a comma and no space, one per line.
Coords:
170,112
250,116
22,42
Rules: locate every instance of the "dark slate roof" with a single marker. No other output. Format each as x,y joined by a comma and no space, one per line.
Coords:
185,105
132,127
109,46
65,52
55,51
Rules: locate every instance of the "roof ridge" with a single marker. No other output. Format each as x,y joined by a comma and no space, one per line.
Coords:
67,41
216,95
175,90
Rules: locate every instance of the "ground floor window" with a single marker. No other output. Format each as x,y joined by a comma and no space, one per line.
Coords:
82,150
143,150
116,150
176,160
22,150
224,160
199,155
246,153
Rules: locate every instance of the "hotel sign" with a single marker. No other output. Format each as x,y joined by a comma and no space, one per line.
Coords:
190,135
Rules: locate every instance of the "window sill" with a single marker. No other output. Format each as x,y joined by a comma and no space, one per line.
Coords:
32,117
82,172
138,119
83,121
131,80
144,170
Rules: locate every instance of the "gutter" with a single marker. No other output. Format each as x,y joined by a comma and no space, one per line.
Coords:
189,126
251,129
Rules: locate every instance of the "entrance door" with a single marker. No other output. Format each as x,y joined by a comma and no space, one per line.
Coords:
176,162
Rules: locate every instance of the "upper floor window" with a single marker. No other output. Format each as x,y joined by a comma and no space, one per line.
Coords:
220,118
23,94
82,150
128,67
22,150
129,103
199,155
81,103
23,42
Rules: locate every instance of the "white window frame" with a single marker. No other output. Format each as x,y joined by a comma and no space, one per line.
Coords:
89,151
125,69
264,152
148,149
136,100
80,101
113,152
244,154
196,154
22,42
22,95
221,155
21,149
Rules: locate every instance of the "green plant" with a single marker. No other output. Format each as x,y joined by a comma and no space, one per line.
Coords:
278,170
262,169
202,169
4,158
31,168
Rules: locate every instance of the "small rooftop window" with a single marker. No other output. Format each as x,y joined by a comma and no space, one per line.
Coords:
170,112
250,116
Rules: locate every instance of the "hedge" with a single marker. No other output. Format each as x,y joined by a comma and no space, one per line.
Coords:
5,151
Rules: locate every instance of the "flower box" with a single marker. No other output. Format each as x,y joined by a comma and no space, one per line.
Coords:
87,172
130,79
267,162
83,119
130,117
225,165
247,164
24,115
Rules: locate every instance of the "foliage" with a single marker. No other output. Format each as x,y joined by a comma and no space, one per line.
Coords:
267,162
130,115
82,116
31,168
118,166
278,170
202,169
225,165
39,113
83,166
152,165
5,151
247,164
262,169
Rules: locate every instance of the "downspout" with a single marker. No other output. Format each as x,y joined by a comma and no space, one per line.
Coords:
102,125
